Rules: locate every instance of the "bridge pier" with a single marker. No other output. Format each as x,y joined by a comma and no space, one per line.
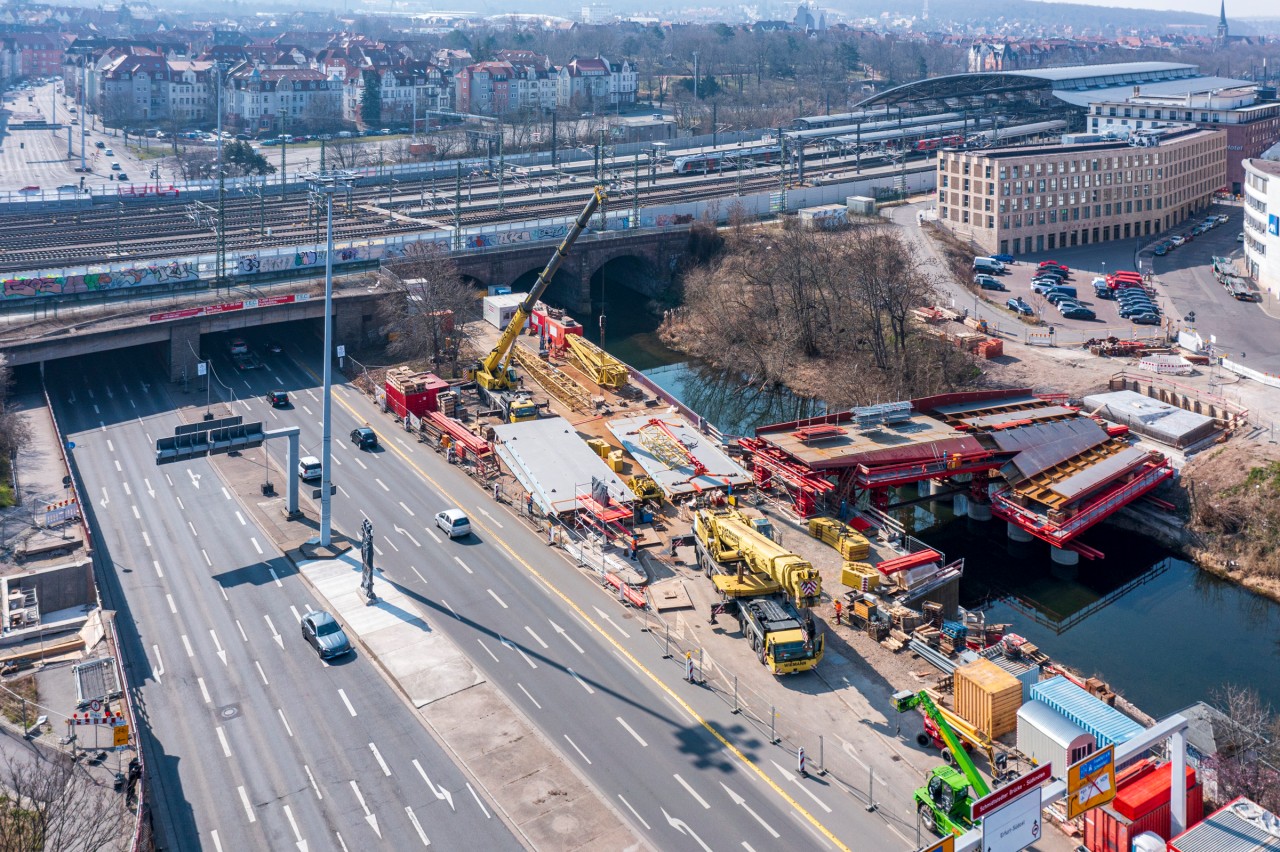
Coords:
184,351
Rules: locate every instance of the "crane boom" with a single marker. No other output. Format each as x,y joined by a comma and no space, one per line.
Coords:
904,701
492,373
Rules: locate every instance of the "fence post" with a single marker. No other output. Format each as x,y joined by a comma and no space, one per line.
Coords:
822,763
736,709
666,648
773,720
871,790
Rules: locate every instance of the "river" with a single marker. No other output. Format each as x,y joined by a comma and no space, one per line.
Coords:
1159,631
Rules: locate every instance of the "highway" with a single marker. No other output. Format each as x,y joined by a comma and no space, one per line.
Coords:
671,758
251,741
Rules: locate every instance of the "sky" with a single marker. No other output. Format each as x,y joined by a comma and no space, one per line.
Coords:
1235,8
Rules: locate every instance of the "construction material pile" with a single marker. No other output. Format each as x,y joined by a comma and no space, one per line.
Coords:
851,546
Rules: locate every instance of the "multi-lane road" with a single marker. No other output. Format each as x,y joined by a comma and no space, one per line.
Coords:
298,749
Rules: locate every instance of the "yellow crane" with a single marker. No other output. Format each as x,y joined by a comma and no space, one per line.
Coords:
493,374
607,370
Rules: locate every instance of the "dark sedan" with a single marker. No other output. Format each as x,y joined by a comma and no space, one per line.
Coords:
323,632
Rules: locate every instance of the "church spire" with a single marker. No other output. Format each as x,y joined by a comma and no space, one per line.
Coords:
1222,23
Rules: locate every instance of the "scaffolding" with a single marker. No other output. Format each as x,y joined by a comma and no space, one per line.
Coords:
552,379
657,437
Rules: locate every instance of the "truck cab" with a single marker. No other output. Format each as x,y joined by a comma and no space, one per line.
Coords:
776,632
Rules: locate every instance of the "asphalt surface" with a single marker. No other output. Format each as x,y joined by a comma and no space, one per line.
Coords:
252,742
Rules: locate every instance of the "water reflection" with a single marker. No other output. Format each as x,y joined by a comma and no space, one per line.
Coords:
730,401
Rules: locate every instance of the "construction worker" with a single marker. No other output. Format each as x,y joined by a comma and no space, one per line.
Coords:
839,610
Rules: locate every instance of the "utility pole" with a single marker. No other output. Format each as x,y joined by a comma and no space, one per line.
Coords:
221,262
84,107
457,210
554,156
695,75
635,195
715,135
782,169
284,143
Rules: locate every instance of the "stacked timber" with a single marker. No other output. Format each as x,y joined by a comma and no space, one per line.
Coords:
852,546
988,697
904,618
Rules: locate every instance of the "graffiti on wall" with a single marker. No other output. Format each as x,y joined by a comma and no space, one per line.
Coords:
172,272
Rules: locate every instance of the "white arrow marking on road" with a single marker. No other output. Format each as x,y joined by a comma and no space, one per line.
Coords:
383,484
580,681
739,800
378,756
105,499
302,844
406,508
275,634
368,815
391,543
680,826
159,667
222,738
794,780
244,797
195,477
314,398
440,792
71,400
557,628
405,533
535,636
512,647
605,616
413,818
272,572
147,482
222,655
692,792
496,522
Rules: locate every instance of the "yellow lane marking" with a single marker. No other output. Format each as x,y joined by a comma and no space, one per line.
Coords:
711,729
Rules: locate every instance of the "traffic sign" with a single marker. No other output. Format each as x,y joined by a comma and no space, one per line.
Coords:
342,350
946,844
1091,782
120,736
71,445
1015,825
1012,790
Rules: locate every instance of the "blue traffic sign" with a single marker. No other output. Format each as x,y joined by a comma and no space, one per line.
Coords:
71,445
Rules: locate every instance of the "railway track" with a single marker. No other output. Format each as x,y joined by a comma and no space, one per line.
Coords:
164,228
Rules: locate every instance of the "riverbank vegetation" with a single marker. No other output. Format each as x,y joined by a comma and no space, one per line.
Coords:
827,315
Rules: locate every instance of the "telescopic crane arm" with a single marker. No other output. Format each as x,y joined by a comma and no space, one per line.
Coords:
493,373
904,701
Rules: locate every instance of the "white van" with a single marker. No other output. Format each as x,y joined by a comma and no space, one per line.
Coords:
989,265
309,468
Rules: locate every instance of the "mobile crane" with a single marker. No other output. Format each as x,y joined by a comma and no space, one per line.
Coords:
495,380
761,579
945,803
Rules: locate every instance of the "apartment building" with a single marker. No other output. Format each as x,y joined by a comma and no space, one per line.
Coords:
1041,197
1262,222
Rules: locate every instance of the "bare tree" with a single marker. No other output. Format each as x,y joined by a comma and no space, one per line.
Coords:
15,431
50,803
429,305
349,154
1248,741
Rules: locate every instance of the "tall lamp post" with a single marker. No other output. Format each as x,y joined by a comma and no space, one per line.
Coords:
326,184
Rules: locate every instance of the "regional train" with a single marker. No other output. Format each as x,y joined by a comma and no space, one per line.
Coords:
714,161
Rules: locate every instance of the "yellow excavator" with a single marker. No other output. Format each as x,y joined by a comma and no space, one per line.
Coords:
495,380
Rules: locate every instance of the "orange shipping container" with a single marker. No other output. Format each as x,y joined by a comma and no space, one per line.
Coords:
988,697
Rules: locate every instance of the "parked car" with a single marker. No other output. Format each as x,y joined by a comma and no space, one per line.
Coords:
1079,312
1019,307
988,282
1222,218
1055,296
1145,319
1051,272
1160,250
1240,237
1003,258
364,438
1179,241
1132,311
323,632
454,522
1103,292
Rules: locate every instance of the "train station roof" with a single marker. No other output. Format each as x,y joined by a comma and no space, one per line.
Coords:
1077,85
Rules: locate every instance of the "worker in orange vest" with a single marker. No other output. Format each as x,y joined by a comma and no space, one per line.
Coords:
839,610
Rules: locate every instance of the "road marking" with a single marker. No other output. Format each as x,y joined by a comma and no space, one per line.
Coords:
146,539
381,483
377,755
463,564
308,410
186,643
262,674
105,499
207,560
632,732
535,636
272,572
297,835
225,492
496,522
311,394
413,818
95,409
166,476
368,815
275,634
388,540
476,796
357,461
500,601
487,651
173,608
337,460
578,750
253,540
244,797
241,629
406,508
404,532
401,442
103,427
580,681
347,701
377,550
158,670
510,646
683,827
430,532
795,780
241,519
156,564
634,813
147,482
557,628
287,729
314,785
691,791
223,589
440,792
222,738
204,690
451,609
527,695
193,529
119,469
217,844
128,492
180,506
420,577
222,655
136,515
606,617
111,446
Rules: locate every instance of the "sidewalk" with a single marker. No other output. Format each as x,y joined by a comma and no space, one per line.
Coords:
39,470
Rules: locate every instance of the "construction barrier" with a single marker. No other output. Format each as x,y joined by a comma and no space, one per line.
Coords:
625,592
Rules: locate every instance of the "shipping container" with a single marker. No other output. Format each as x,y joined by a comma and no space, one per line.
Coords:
1241,826
1108,830
860,205
553,324
988,697
413,393
500,308
823,217
1108,725
1046,736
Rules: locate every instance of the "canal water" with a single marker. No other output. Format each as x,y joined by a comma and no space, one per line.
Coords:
1161,632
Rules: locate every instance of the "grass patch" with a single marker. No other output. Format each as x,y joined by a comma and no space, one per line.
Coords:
6,484
152,153
11,700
